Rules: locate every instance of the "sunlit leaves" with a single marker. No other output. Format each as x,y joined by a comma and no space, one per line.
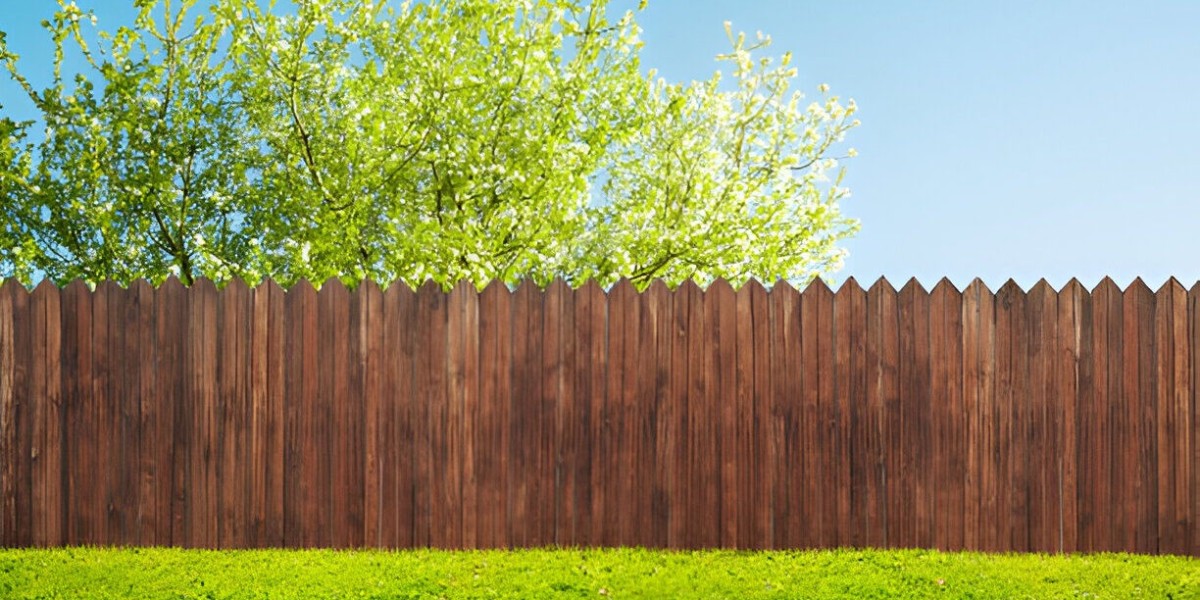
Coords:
448,139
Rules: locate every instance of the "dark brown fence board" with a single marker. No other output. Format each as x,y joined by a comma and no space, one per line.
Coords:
851,303
128,408
233,408
77,346
1172,403
707,402
15,402
777,429
1064,413
1133,457
659,432
558,360
590,392
760,419
1090,383
399,460
171,331
1042,319
838,421
45,415
1045,421
812,490
1106,351
676,452
8,456
743,404
1012,418
463,345
702,481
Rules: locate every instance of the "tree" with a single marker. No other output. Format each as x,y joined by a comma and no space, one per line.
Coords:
447,139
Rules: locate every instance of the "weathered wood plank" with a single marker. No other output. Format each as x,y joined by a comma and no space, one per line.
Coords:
657,431
1044,503
764,456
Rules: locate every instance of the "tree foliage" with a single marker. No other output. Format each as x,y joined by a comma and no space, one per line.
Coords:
444,140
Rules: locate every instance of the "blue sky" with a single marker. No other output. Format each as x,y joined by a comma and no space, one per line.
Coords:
1014,139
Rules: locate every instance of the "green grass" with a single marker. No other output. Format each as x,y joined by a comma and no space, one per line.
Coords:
572,573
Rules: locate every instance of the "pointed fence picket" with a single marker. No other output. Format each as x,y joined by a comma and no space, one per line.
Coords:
755,417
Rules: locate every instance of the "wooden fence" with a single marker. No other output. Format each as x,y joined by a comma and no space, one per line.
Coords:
198,417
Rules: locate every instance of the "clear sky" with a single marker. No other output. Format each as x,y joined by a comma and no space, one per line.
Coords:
1000,139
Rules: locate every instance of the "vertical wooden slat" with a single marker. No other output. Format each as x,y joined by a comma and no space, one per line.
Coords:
840,406
678,446
617,430
851,385
882,395
657,432
1098,517
294,434
266,357
400,436
720,306
330,418
470,414
495,326
47,411
299,498
153,426
127,415
111,380
558,372
524,407
171,328
8,404
545,363
1183,462
429,365
1122,415
1183,521
41,506
783,328
705,397
1067,366
1012,415
828,432
978,372
233,406
1042,319
942,414
763,479
1136,455
1161,439
18,515
351,402
205,490
370,338
743,415
915,373
1004,411
591,318
812,491
636,408
1092,383
456,419
79,429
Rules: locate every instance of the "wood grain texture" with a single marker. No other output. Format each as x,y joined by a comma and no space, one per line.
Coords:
751,418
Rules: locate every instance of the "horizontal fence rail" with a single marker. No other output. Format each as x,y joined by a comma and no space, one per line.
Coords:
1046,420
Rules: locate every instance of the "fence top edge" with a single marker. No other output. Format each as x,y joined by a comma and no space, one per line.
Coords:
815,285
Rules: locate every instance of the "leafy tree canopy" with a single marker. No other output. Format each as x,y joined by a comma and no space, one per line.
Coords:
444,140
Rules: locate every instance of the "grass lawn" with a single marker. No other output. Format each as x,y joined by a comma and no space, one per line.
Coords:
572,573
